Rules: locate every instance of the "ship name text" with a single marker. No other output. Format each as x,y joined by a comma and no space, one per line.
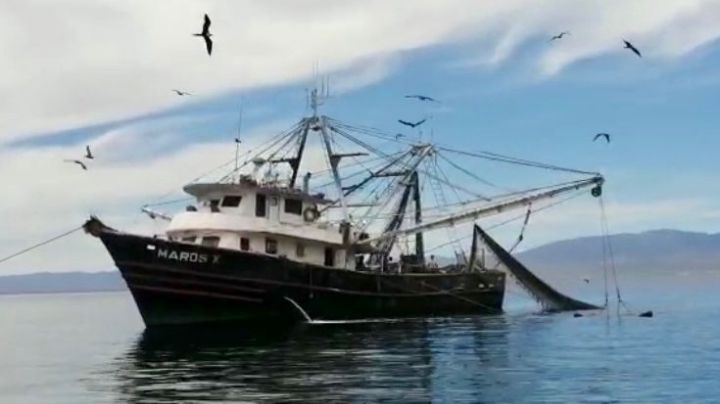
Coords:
185,256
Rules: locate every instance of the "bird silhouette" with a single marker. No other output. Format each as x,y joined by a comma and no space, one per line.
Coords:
586,280
630,46
205,34
559,36
422,97
398,136
78,162
88,153
238,141
180,93
411,124
605,135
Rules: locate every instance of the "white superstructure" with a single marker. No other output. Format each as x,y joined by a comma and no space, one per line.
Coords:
263,219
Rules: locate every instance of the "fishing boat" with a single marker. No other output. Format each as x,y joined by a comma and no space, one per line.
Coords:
279,239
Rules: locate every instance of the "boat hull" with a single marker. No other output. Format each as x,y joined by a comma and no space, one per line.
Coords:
180,283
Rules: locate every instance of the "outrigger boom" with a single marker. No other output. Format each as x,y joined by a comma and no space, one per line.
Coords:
596,182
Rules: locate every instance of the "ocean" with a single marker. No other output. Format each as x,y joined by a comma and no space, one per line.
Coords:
92,348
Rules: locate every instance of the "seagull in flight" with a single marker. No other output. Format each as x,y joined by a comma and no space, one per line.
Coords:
605,135
180,93
630,46
422,97
205,34
88,153
411,124
238,141
559,36
78,162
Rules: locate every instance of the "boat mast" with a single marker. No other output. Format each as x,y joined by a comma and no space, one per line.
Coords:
419,242
295,161
410,181
334,161
320,123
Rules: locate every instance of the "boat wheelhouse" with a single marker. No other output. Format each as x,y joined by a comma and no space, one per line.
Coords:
260,218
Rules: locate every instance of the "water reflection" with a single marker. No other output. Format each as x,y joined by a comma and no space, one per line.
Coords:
421,360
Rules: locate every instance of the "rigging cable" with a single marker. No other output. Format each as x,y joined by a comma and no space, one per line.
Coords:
604,257
606,237
471,174
514,160
40,244
439,172
507,221
481,154
521,236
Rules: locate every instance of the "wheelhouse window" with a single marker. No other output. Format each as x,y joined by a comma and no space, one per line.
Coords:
271,246
210,241
260,207
231,201
244,243
329,257
300,250
189,239
293,206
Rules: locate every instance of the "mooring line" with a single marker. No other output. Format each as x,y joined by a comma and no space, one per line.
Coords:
48,241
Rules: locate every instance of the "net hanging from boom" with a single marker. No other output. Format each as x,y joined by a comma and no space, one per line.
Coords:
487,253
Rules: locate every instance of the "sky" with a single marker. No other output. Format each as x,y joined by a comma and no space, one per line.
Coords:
101,72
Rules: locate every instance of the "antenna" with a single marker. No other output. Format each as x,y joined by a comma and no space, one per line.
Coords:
240,117
237,139
318,96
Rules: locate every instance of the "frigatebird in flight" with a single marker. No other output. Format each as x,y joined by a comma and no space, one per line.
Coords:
559,36
205,34
180,93
78,162
605,135
422,97
411,124
630,46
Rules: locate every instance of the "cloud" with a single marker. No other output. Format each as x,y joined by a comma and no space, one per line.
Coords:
90,61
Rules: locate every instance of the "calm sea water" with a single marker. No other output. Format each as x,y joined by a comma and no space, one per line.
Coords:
91,348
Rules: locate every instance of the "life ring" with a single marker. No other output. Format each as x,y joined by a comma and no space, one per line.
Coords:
310,214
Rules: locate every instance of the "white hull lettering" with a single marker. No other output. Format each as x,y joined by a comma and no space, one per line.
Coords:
185,256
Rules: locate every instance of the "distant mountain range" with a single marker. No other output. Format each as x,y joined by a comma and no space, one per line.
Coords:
651,251
637,256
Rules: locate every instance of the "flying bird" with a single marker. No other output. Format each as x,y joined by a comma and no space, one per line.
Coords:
180,93
238,141
586,280
630,46
422,97
78,162
411,124
605,135
398,136
205,34
559,36
88,153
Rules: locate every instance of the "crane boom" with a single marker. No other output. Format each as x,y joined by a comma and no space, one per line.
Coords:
488,210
